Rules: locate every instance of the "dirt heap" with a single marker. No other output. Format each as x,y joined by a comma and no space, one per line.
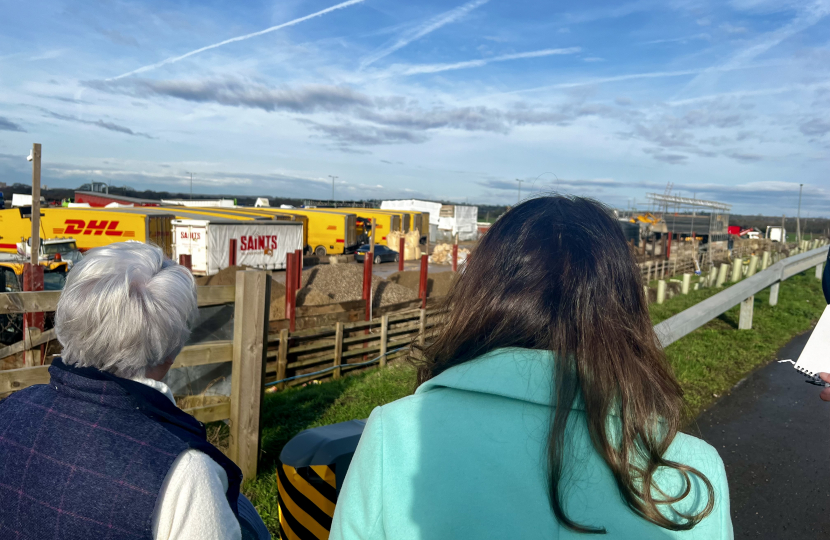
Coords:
438,283
226,276
343,283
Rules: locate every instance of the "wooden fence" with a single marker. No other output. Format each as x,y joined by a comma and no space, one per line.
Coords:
329,341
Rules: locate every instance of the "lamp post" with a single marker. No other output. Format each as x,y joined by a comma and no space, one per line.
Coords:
333,178
798,216
518,200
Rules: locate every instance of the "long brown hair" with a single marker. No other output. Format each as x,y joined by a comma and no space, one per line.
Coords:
555,273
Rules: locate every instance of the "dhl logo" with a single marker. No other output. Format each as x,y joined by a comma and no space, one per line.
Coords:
94,227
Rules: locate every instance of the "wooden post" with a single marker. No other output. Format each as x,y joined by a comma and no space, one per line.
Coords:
250,331
36,151
338,349
422,321
32,322
367,283
773,293
401,253
282,359
422,285
745,319
687,282
384,338
661,291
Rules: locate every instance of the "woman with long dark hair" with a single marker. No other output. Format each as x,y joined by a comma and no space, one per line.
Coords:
545,408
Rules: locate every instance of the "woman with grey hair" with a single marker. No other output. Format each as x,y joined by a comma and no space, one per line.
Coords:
102,451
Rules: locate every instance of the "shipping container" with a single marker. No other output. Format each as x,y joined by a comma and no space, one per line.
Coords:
259,243
89,227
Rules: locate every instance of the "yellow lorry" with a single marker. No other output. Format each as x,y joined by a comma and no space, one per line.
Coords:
330,231
89,227
386,221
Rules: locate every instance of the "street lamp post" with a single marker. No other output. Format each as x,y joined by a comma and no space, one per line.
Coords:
798,216
333,178
191,186
519,199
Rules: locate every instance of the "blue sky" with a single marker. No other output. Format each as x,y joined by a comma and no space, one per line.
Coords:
443,100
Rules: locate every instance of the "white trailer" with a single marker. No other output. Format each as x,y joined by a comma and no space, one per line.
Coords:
259,244
776,234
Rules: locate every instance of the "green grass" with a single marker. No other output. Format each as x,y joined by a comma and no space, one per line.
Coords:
288,412
707,362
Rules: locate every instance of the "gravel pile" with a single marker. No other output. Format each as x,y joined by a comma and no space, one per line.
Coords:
344,282
438,283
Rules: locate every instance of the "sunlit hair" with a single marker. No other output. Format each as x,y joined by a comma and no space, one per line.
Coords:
555,273
125,308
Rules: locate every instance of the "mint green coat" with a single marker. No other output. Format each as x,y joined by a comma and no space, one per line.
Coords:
464,458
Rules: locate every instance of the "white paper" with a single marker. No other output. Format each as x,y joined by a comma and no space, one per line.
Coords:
815,358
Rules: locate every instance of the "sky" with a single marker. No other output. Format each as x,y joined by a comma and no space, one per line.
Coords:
443,100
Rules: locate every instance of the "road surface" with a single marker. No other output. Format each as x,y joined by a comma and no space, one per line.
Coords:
773,433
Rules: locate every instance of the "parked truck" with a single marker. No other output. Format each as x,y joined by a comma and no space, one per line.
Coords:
259,243
330,231
776,234
89,227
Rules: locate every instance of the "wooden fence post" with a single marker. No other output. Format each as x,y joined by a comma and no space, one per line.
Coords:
250,331
338,349
401,253
773,293
423,326
384,338
282,359
745,318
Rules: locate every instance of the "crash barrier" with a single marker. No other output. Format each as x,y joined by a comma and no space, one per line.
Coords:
743,292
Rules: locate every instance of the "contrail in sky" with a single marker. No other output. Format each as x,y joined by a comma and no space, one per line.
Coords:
175,59
426,28
437,68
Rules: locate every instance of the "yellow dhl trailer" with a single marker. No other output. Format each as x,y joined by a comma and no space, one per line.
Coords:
330,231
246,212
385,222
89,227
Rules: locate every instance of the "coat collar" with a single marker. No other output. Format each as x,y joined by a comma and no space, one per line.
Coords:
522,374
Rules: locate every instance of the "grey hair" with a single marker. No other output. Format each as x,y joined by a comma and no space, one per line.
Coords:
125,308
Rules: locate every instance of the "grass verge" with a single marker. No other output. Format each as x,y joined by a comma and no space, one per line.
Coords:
707,362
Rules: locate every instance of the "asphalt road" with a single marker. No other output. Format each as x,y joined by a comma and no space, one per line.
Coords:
773,433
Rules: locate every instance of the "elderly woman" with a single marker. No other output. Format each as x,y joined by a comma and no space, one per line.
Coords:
102,451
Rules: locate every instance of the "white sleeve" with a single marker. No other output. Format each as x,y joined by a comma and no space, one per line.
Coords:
192,503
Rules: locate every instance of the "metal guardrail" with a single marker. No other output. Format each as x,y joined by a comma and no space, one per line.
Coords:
696,316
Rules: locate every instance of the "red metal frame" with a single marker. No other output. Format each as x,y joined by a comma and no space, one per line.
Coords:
422,285
298,257
368,261
291,292
401,254
186,261
232,253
